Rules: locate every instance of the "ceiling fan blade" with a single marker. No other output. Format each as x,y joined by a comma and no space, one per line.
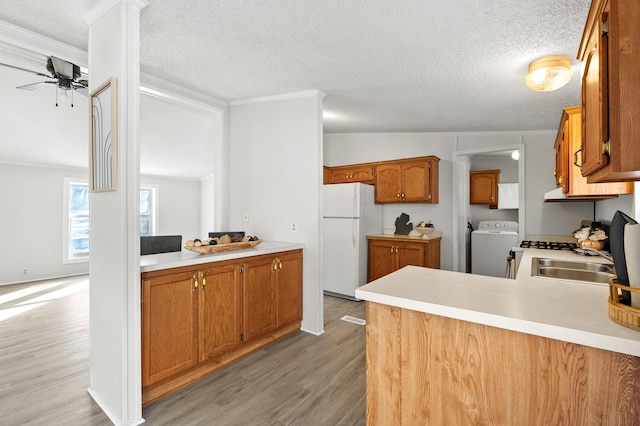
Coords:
82,90
34,86
24,69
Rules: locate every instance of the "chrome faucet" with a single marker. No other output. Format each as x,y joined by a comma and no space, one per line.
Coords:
598,252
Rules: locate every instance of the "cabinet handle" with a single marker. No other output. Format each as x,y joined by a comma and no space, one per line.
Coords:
575,158
398,195
403,195
195,282
429,197
279,265
273,265
204,282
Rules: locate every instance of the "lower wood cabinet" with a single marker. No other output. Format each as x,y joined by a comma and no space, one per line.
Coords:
197,319
390,253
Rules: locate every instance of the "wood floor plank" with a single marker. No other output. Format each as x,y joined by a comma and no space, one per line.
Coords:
300,380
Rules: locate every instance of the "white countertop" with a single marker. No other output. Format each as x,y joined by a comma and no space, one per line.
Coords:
570,311
155,262
431,236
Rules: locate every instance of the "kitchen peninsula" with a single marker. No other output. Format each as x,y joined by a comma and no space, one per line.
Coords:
202,312
451,348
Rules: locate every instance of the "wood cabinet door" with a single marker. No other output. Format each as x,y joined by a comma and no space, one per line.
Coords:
483,187
383,259
410,254
220,310
415,182
595,102
339,175
289,289
258,309
561,147
169,326
432,255
388,183
362,174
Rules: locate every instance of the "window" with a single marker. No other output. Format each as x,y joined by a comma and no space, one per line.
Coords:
78,224
76,217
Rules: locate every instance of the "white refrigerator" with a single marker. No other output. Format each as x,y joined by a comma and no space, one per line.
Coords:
349,215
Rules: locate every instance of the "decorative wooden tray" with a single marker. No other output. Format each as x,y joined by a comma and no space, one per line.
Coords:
620,313
221,248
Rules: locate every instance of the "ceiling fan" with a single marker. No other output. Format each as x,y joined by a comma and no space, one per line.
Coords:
66,76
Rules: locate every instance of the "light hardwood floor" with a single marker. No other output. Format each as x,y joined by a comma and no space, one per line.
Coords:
301,380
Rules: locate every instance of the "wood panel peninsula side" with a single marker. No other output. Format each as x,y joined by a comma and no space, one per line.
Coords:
202,312
447,348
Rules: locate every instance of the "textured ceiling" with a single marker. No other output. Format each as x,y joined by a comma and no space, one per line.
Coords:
386,65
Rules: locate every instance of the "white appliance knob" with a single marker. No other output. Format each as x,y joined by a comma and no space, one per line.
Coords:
498,225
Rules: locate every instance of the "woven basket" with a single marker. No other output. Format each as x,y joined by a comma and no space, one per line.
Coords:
222,248
620,313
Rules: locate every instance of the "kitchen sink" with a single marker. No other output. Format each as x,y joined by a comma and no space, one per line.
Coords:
574,271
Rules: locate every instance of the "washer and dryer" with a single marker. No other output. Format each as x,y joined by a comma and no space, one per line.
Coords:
490,246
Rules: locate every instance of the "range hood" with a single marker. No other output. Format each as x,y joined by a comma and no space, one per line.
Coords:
557,195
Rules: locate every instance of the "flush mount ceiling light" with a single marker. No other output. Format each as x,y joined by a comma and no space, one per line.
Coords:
515,155
549,73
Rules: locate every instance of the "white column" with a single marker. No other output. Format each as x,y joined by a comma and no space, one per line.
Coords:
114,33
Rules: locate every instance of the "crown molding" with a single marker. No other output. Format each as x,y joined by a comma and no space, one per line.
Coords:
105,5
153,85
35,43
286,96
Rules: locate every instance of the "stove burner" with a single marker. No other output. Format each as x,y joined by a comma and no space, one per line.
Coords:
548,245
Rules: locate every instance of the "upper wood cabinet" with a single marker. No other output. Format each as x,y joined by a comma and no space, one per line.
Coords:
346,174
568,177
483,187
610,52
407,181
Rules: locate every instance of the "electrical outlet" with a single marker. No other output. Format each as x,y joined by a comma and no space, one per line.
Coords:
294,227
24,271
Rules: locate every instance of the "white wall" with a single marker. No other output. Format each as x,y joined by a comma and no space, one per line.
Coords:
179,206
548,218
32,223
350,148
34,228
508,174
275,177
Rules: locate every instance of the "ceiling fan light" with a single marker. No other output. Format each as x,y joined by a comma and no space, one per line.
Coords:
549,73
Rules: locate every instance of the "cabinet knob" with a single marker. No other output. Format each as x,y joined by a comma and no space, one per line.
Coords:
398,195
195,282
204,282
279,265
403,195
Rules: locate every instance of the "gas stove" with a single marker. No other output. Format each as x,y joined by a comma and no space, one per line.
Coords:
548,245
